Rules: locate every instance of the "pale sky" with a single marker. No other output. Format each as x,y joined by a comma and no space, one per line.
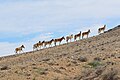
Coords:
29,21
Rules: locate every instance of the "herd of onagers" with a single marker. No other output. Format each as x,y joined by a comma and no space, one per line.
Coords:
44,44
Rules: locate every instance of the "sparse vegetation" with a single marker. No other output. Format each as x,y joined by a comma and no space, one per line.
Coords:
95,64
110,75
41,71
80,60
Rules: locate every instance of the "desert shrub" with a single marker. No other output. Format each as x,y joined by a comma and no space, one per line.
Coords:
41,71
94,64
110,75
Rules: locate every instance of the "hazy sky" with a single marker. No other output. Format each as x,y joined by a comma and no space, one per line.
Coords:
29,21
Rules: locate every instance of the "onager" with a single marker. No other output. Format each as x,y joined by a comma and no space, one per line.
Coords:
48,43
77,36
69,38
101,29
41,44
19,49
85,34
59,40
38,45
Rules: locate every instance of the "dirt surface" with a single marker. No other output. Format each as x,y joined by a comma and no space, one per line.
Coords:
94,58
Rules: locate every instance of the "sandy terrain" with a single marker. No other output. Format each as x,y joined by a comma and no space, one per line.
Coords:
95,58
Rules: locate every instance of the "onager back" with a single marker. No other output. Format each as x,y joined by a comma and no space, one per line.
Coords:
41,44
85,34
59,40
77,36
69,38
19,49
48,43
101,29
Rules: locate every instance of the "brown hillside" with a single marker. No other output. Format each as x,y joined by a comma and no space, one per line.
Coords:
95,58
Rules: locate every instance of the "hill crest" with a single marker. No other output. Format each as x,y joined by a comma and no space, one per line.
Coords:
68,61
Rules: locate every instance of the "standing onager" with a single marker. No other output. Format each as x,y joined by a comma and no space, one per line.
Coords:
77,36
69,38
59,40
19,49
85,33
101,29
36,46
48,43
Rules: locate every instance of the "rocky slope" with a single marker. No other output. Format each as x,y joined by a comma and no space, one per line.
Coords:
95,58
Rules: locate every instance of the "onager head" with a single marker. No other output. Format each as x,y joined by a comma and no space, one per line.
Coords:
71,35
52,40
63,37
89,31
80,32
39,42
22,46
104,26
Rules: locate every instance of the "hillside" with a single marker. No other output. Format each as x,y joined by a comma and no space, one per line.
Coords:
95,58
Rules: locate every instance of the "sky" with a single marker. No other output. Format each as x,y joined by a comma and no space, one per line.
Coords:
29,21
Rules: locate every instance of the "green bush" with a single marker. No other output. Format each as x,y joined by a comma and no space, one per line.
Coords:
94,64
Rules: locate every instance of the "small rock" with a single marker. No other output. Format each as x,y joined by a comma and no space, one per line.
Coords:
73,61
28,77
77,78
33,64
112,55
82,59
4,68
103,59
109,57
102,49
69,64
62,68
45,59
110,63
27,74
97,59
35,68
16,72
118,56
57,71
51,62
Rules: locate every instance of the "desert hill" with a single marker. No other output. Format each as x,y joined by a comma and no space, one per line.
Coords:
94,58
